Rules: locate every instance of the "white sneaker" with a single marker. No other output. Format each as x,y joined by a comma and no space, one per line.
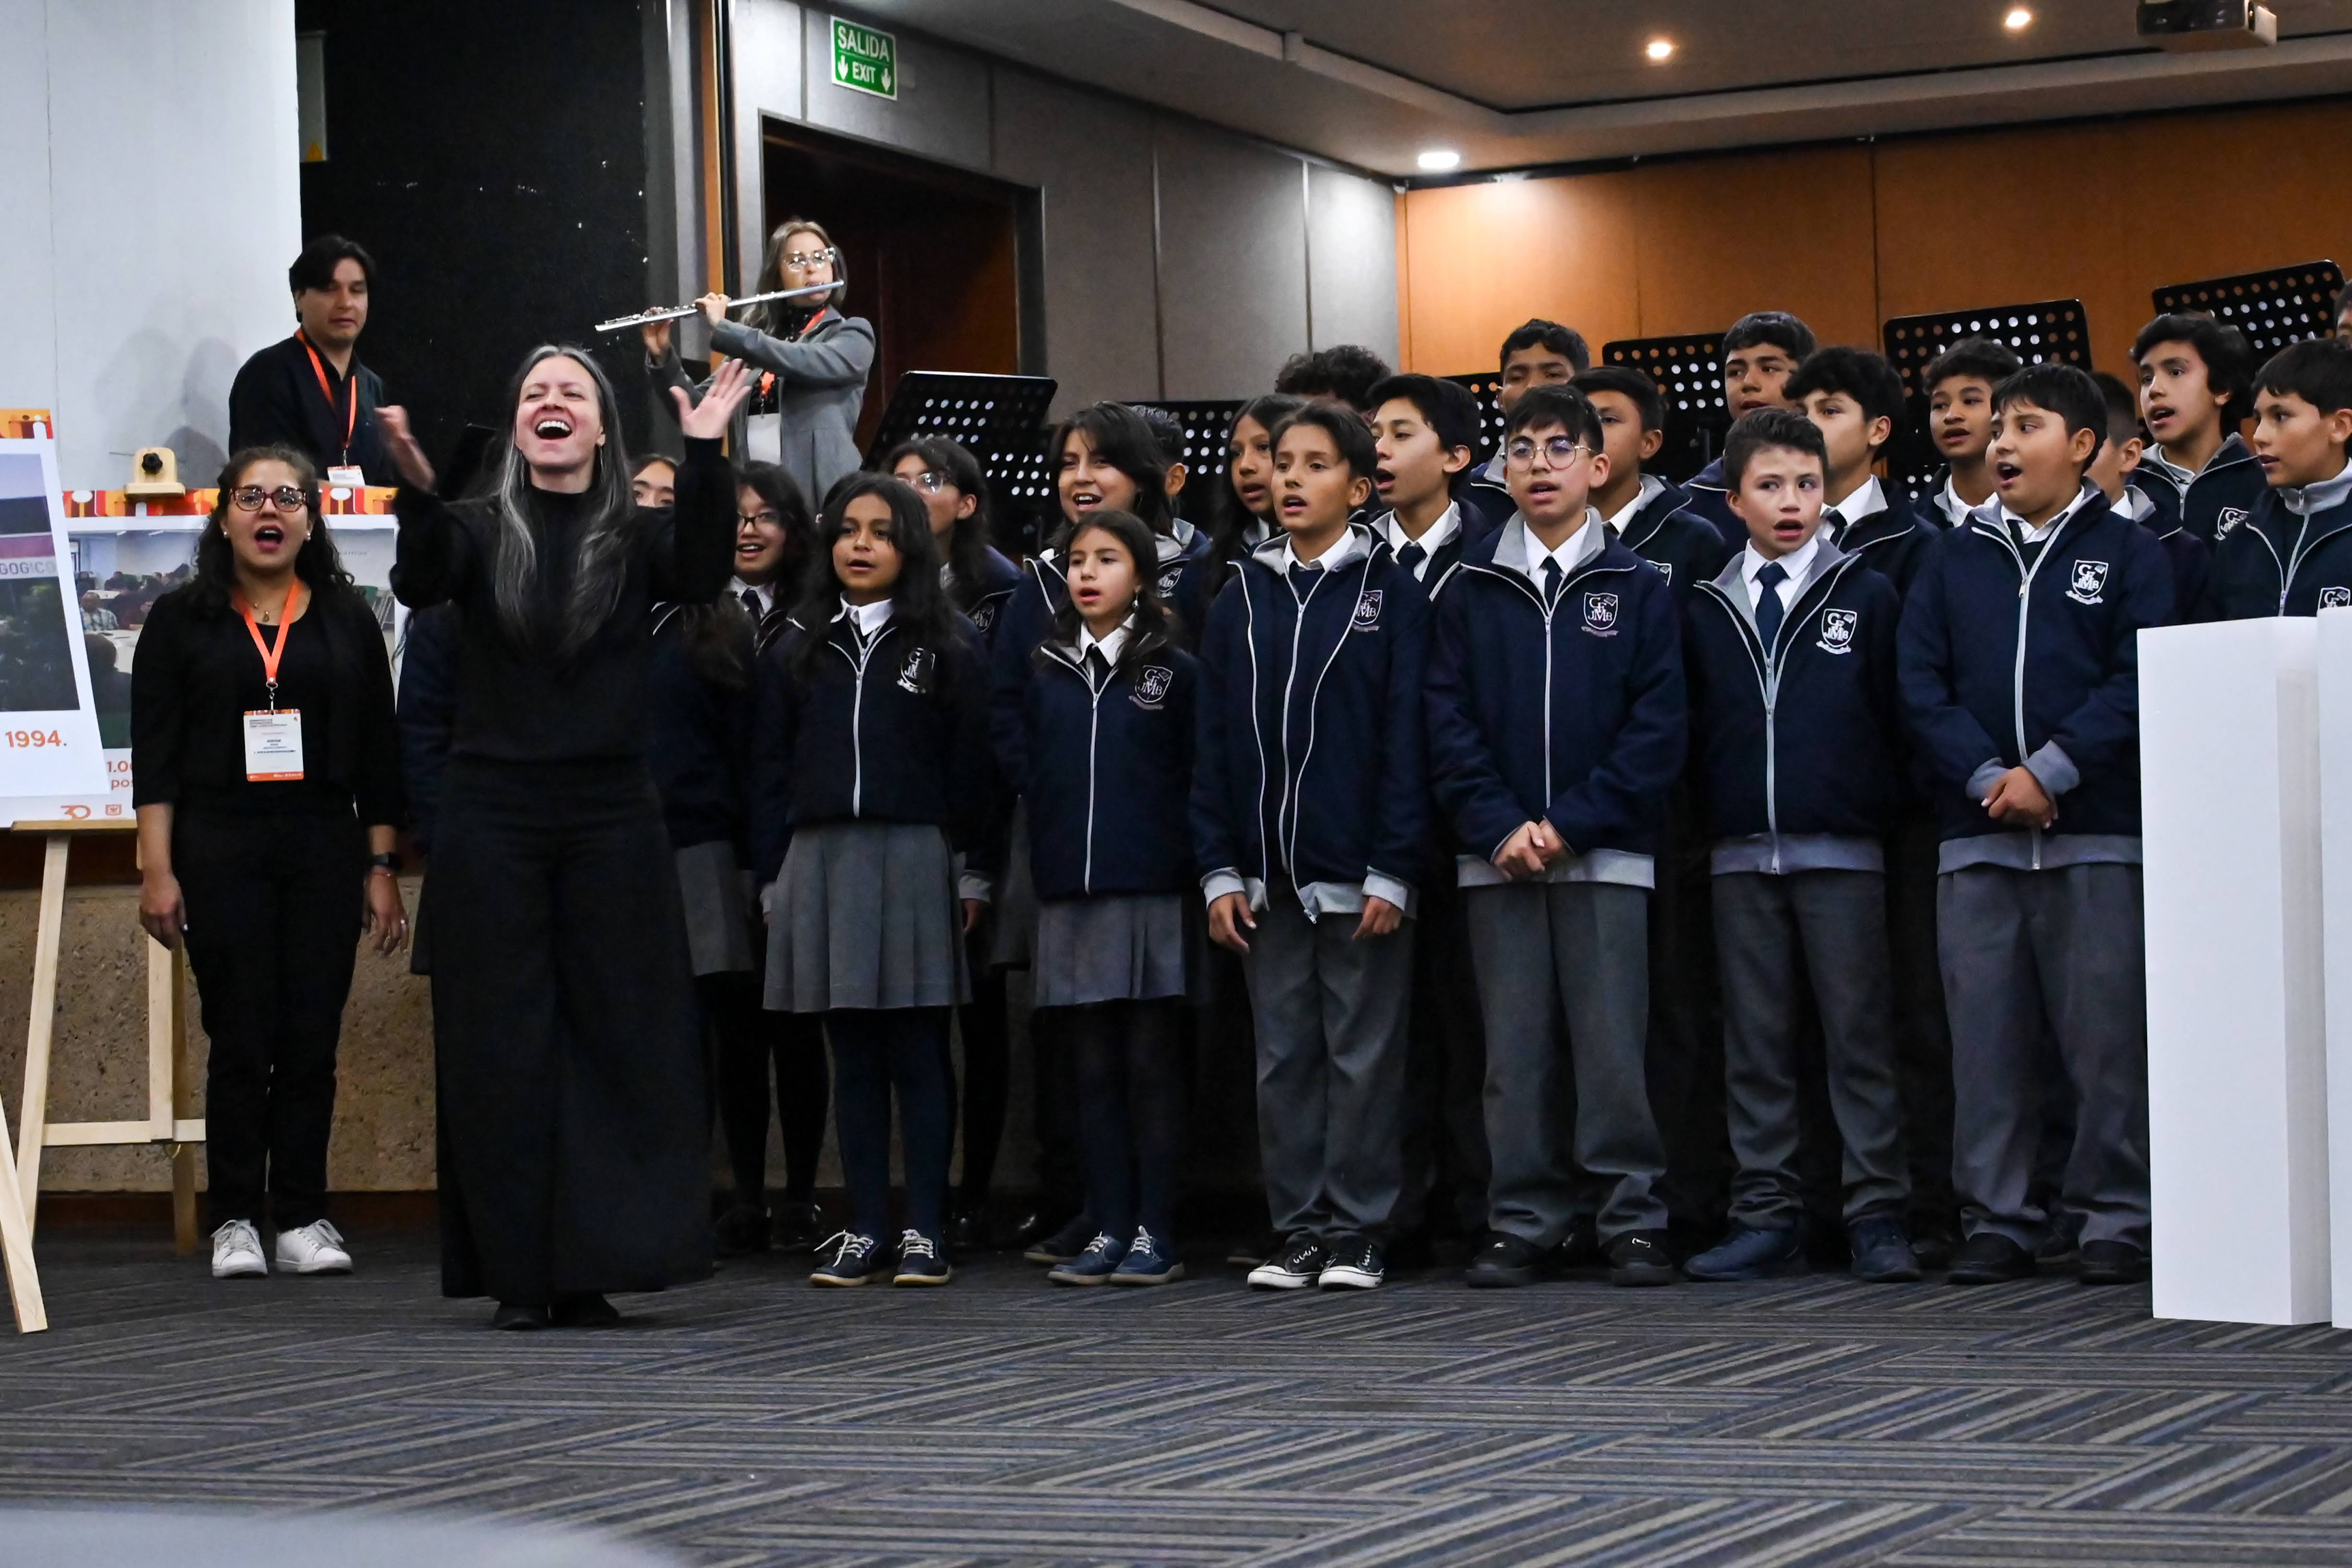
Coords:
237,1252
316,1248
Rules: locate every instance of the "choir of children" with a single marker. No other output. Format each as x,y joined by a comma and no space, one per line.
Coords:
1496,775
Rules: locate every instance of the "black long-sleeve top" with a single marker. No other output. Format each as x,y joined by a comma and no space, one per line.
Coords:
529,700
197,673
429,707
275,401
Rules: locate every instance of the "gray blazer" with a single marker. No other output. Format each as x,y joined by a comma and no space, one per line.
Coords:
821,386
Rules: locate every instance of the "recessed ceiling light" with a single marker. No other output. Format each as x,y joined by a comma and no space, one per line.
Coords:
1437,160
1660,49
2018,19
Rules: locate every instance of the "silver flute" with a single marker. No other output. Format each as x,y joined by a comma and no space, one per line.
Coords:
645,317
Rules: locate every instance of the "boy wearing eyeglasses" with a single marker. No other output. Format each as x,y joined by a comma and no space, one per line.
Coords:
1556,729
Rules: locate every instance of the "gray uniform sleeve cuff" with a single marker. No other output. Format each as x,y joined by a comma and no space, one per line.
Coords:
973,885
2053,770
1217,884
1381,885
1987,774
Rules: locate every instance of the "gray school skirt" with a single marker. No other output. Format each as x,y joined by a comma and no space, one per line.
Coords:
1117,947
865,915
717,915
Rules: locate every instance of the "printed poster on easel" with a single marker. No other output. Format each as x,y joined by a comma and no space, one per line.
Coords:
50,750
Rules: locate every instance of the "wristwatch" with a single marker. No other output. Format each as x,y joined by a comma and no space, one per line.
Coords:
388,861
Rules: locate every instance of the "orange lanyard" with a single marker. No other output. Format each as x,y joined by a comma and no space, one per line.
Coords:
272,653
351,385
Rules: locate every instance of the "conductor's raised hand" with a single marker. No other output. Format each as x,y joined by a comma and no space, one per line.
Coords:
400,446
707,420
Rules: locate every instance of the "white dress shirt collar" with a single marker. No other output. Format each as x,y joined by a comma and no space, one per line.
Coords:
1868,500
865,619
1994,510
1574,551
766,592
1649,489
1433,539
1798,563
1111,644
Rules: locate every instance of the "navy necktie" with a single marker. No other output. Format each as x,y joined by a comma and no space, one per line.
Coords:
1769,611
1412,555
1097,668
751,603
1302,579
1834,524
1551,580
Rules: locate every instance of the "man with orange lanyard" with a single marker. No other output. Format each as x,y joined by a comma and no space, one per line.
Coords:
310,392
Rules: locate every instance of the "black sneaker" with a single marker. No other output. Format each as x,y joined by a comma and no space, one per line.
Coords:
1580,1247
1882,1253
969,1231
920,1261
742,1230
849,1260
2056,1251
1254,1249
1357,1263
798,1226
1989,1258
2111,1263
1640,1257
1064,1244
1503,1260
1298,1265
1934,1249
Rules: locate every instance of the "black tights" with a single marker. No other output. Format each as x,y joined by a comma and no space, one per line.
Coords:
987,1081
748,1035
1131,1082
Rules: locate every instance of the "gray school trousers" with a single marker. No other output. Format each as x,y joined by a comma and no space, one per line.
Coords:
1576,950
1774,934
1330,1012
2062,949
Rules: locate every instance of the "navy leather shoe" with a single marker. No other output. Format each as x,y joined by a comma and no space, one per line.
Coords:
1882,1253
1748,1253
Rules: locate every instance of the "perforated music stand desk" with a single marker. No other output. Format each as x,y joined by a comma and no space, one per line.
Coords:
2284,305
1688,370
2042,330
1000,419
1207,422
1487,386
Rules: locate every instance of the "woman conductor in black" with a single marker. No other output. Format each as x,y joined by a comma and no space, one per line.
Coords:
572,1112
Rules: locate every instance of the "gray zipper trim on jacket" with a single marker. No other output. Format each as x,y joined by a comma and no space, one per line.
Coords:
2000,530
857,713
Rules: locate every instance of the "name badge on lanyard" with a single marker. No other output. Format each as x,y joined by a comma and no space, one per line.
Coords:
273,736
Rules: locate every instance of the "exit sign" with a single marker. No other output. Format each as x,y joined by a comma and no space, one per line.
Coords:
865,59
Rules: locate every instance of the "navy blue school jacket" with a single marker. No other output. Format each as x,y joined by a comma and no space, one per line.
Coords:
1309,752
2210,502
998,579
1572,714
1999,662
1107,769
1893,542
2279,563
2191,559
1710,499
1804,738
890,731
1487,498
1469,524
1187,582
1684,547
699,748
427,712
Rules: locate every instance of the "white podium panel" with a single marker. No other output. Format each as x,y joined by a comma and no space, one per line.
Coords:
2335,839
2236,1041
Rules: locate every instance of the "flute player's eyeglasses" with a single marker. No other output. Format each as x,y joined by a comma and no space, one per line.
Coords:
807,258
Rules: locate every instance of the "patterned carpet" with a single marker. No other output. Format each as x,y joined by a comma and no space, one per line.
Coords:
755,1420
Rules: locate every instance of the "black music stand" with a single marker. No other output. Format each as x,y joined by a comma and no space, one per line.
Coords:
1688,369
1487,386
1207,423
2047,330
2274,308
1002,420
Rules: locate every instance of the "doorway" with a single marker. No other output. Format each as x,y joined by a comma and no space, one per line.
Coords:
935,256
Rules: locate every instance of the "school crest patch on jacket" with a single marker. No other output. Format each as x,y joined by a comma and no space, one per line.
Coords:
1170,578
983,615
1151,684
2090,584
1368,612
1837,631
2227,519
1600,614
916,675
2335,598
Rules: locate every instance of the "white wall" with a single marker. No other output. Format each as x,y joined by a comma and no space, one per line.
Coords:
152,195
1179,261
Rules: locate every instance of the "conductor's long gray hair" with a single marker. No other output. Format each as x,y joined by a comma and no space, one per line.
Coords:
602,547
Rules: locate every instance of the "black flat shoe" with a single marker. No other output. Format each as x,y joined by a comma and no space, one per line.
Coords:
742,1230
2111,1263
1991,1259
799,1225
518,1319
1639,1258
589,1311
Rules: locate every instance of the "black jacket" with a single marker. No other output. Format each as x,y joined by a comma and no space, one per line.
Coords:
275,401
886,731
2209,503
2280,562
198,673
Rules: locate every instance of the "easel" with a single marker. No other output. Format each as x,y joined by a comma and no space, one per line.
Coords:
167,1122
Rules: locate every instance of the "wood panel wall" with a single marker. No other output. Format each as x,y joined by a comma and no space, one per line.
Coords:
1848,235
